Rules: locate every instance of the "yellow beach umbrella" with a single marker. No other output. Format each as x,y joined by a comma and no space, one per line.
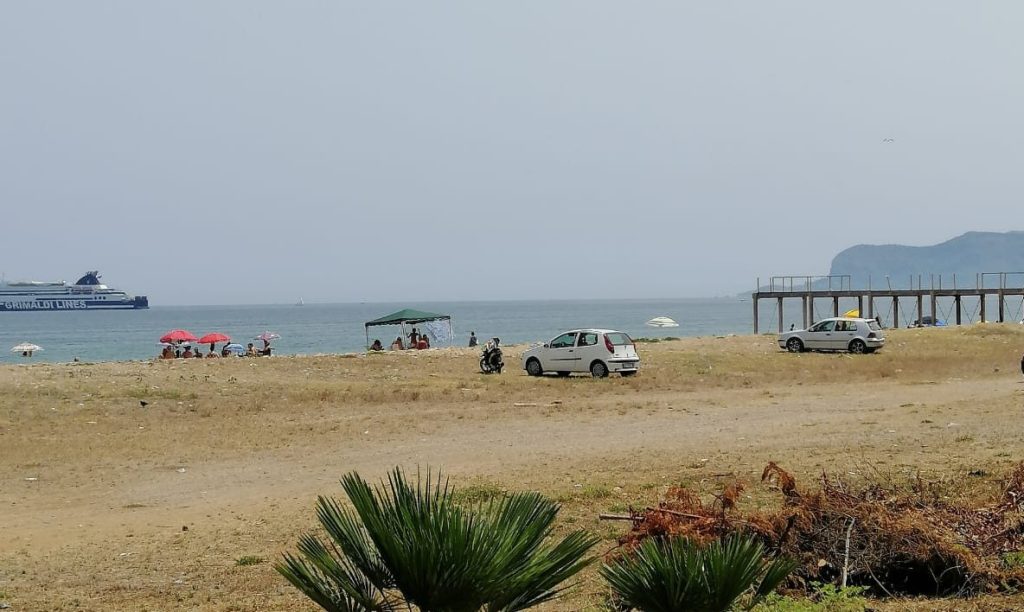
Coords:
852,313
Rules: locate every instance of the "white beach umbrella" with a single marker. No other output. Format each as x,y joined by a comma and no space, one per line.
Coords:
26,347
662,322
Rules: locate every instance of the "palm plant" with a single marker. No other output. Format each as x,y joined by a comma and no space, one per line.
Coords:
677,575
408,545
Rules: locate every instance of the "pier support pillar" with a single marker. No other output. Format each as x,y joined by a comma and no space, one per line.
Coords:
981,302
755,300
956,302
871,306
780,315
1002,304
920,308
803,311
835,306
934,308
896,312
860,306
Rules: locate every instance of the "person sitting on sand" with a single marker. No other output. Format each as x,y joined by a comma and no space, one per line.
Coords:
250,351
266,348
188,353
423,343
397,344
224,352
212,354
199,353
167,353
376,346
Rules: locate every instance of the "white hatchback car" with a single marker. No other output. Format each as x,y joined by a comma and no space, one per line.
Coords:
836,334
598,351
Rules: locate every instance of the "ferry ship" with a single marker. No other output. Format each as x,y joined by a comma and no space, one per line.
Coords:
88,293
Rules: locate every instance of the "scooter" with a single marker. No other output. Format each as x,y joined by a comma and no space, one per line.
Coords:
490,360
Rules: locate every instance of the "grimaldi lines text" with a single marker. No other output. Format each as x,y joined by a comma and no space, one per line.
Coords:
46,305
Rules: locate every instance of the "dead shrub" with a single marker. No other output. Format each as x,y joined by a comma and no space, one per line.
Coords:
906,539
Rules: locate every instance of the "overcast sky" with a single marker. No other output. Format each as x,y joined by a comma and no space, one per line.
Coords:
262,151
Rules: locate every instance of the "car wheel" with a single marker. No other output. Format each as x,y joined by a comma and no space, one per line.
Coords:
598,369
794,345
858,347
533,368
628,373
563,374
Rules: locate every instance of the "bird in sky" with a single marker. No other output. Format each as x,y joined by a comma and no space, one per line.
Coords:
888,140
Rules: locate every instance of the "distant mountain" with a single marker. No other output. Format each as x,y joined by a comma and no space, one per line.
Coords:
964,256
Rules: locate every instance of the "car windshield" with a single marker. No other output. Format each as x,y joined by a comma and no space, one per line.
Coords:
619,339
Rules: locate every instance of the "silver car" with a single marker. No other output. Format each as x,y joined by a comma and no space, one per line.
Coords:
836,334
597,351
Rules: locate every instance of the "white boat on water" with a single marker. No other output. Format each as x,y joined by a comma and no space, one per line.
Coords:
87,293
662,322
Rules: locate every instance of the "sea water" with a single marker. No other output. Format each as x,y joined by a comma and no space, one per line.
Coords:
338,328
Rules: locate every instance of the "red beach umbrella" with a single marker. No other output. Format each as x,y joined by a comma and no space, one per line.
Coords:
214,338
178,335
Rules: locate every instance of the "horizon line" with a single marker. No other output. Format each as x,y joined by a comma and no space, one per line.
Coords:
471,301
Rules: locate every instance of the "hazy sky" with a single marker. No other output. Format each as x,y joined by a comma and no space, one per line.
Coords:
258,152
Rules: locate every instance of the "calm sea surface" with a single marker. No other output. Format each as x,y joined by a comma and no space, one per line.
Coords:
338,328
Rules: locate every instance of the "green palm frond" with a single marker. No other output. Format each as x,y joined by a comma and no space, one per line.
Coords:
411,544
678,575
330,580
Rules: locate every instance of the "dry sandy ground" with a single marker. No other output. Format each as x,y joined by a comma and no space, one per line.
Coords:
108,505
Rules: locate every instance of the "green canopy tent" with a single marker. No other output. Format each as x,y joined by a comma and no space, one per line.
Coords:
411,317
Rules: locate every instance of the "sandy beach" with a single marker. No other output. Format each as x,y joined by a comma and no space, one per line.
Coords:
106,504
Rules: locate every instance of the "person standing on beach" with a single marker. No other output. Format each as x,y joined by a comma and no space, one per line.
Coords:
472,339
414,338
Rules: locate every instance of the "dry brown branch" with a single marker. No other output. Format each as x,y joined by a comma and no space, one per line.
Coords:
781,477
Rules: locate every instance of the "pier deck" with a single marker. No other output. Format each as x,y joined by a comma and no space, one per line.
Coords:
809,289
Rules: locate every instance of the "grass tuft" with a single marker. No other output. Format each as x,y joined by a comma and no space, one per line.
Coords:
477,494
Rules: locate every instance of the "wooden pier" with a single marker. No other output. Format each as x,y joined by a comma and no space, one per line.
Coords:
809,289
